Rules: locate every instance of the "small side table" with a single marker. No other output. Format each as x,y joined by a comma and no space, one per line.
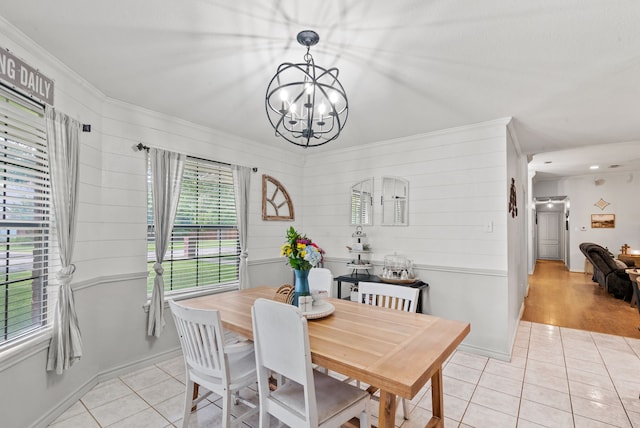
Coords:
634,274
355,278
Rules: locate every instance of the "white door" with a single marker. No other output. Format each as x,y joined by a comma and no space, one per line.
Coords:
549,235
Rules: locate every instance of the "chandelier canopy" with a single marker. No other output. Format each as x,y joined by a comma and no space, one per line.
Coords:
306,104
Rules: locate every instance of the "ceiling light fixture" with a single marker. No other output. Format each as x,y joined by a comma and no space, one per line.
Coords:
594,167
306,104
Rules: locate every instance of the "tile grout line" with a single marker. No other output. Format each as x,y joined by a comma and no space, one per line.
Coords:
475,388
624,408
90,414
566,371
139,396
526,362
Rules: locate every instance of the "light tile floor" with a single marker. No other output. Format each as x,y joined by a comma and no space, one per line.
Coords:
558,377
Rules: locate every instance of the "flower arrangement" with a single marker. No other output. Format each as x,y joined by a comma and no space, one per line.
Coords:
301,252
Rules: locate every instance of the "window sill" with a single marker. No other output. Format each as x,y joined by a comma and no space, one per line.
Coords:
204,291
22,349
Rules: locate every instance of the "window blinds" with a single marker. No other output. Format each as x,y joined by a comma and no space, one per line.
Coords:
26,221
204,250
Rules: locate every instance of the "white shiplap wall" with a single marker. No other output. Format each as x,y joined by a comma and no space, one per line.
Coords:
457,188
124,197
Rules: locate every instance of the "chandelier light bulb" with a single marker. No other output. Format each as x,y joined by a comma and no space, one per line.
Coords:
323,102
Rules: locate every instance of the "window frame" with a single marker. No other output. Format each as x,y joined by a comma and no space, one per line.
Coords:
25,154
179,227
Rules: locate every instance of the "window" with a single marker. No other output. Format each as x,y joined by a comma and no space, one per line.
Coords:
204,250
26,218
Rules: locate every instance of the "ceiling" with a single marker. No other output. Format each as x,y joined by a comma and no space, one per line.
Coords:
567,71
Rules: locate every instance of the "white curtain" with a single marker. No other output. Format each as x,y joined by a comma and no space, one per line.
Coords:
166,180
242,181
62,140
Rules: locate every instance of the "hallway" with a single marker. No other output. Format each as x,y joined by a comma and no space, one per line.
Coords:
570,299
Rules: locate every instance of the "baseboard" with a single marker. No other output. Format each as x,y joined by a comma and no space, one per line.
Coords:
137,365
484,352
46,419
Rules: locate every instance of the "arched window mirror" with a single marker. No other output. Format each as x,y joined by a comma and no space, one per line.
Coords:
395,201
362,203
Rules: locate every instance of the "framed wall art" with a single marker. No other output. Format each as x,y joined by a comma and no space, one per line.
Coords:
603,221
276,202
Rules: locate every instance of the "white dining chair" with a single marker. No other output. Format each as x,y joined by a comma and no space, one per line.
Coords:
390,296
308,398
321,279
223,368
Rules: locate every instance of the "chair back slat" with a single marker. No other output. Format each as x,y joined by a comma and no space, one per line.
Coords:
388,296
201,339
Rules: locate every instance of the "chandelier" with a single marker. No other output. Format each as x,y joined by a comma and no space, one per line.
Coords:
305,103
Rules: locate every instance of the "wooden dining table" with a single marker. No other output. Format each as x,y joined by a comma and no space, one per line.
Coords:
397,352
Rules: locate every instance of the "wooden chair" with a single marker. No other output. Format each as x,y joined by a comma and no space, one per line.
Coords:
393,297
321,279
223,369
284,294
308,398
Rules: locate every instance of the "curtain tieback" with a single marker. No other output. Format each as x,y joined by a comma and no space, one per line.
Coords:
157,267
66,273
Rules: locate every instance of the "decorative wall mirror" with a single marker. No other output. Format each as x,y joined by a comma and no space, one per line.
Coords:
362,203
395,201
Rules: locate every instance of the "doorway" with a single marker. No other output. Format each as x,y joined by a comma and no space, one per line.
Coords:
549,235
551,229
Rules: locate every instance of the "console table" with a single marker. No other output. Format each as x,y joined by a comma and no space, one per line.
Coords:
355,278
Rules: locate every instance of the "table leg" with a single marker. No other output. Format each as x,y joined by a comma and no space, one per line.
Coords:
196,391
437,401
387,410
339,290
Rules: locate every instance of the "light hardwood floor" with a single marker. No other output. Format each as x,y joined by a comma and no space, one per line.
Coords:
569,299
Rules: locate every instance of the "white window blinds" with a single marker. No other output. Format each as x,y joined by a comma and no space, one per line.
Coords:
26,222
204,250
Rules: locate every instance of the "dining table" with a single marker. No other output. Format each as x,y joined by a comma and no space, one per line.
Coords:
394,351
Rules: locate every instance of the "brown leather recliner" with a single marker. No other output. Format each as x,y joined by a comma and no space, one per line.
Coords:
606,272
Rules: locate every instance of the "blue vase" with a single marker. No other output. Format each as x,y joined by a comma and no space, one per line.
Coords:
301,286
